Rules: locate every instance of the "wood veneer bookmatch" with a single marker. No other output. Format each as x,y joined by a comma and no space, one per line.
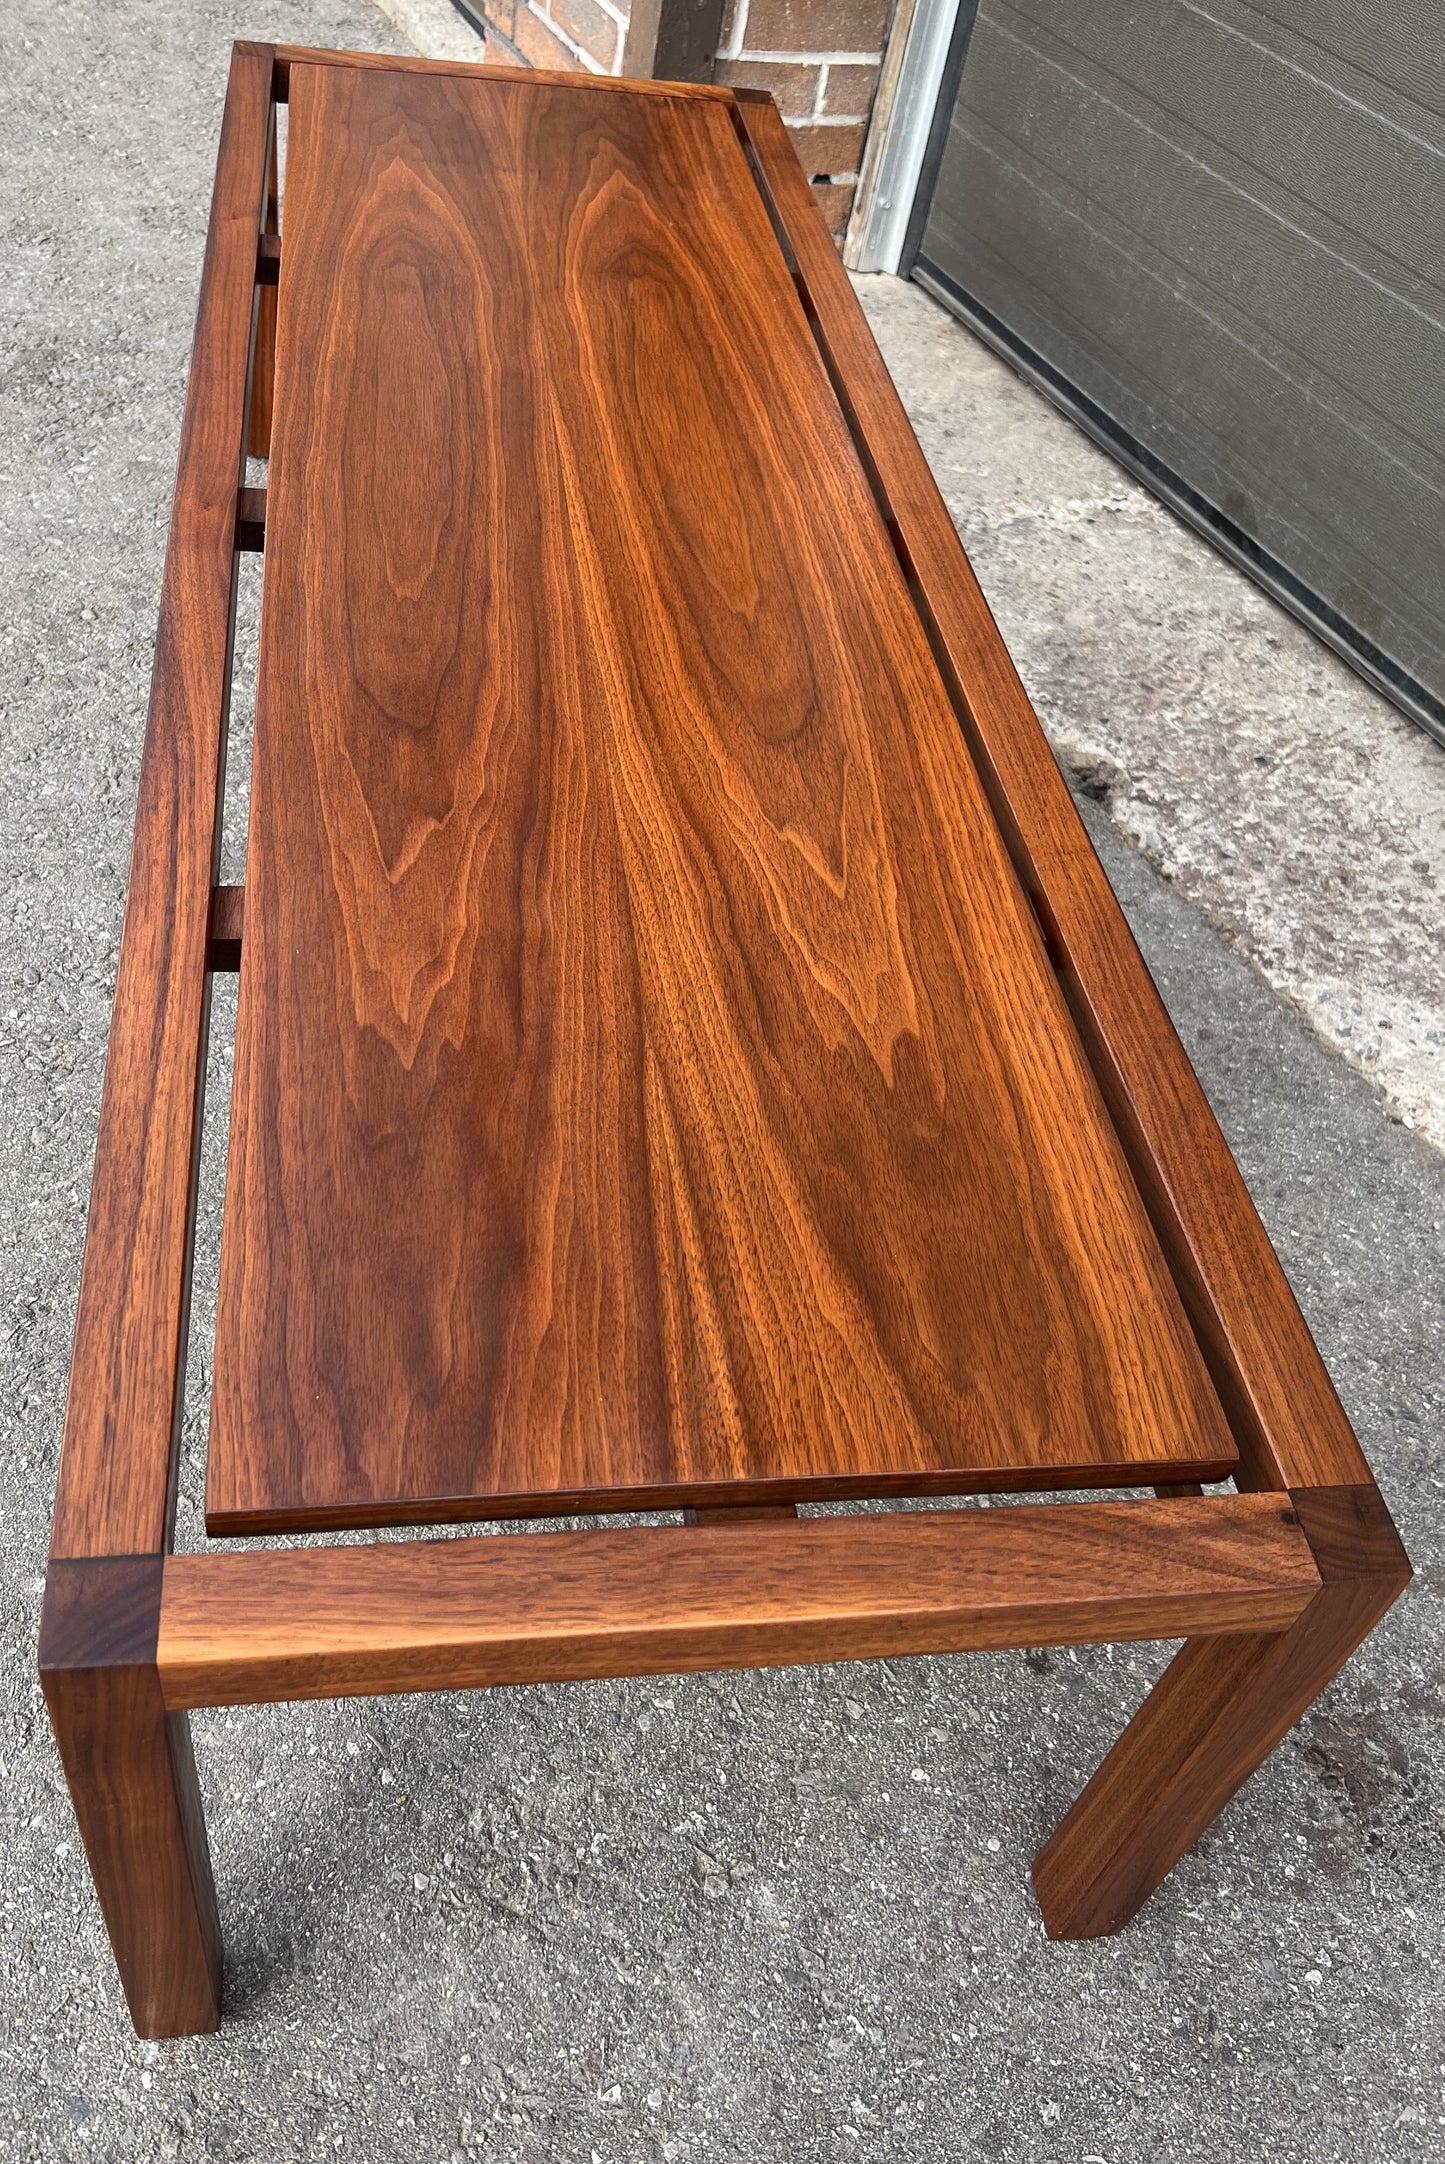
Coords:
750,932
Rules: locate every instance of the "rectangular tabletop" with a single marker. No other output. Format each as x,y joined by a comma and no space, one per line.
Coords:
650,1082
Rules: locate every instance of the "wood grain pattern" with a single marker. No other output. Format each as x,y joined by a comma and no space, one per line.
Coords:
1290,1426
544,1607
1214,1716
649,1077
116,1470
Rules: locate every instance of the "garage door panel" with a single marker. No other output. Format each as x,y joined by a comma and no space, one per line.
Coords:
1309,147
1284,370
1224,249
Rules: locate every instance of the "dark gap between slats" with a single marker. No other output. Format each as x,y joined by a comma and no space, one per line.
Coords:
236,803
210,1199
216,1120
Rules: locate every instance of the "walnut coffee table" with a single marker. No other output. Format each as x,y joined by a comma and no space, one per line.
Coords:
688,1058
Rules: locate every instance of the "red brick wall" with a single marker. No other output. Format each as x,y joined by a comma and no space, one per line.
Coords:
558,33
818,58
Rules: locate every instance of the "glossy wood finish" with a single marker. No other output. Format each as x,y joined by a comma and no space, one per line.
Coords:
1215,1715
127,1759
1289,1424
114,1493
132,1778
548,1607
649,1078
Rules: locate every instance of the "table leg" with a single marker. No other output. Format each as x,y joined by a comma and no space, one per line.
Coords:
132,1781
1214,1716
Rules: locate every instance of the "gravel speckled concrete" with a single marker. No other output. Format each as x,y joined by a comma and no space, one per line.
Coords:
732,1918
435,28
1265,780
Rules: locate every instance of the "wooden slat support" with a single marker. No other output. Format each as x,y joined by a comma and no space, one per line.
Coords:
228,910
268,260
548,1607
251,518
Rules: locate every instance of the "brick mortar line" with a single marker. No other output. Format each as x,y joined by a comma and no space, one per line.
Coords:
808,59
737,31
590,61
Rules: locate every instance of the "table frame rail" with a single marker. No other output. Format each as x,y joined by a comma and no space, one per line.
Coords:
663,1599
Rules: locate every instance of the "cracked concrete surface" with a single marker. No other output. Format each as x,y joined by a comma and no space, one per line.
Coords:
727,1918
1297,808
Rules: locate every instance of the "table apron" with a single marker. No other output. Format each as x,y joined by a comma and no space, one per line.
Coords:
358,1621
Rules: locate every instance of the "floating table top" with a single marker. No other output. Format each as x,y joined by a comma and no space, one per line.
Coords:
651,1086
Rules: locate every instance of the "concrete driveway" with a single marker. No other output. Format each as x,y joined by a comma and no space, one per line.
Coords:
750,1917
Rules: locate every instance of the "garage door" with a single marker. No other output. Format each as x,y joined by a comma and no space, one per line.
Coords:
1217,235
